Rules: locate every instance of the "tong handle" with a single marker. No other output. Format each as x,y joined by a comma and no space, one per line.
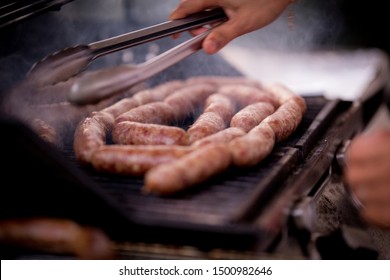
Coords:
95,86
156,32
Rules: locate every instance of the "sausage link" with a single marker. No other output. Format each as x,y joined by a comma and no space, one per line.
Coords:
251,115
46,131
188,100
283,94
223,136
207,124
121,106
90,134
221,105
133,133
155,112
142,97
187,171
252,148
57,236
218,111
159,92
285,120
244,95
135,160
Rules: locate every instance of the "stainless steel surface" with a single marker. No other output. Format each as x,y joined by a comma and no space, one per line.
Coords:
66,63
99,85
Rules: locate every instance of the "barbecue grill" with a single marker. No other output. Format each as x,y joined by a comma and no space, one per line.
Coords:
271,210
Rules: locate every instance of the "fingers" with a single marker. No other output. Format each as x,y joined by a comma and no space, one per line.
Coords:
367,174
188,7
377,214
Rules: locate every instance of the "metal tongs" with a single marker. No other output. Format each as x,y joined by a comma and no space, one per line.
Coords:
94,86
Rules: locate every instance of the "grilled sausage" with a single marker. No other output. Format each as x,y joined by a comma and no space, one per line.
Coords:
135,160
217,114
221,105
57,236
142,97
187,171
251,115
133,133
223,136
46,131
285,120
155,112
159,92
186,101
244,95
252,148
207,124
283,94
91,134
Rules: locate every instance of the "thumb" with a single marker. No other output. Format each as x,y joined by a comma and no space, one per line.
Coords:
221,36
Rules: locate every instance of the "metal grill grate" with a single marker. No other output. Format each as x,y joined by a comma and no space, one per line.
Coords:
221,200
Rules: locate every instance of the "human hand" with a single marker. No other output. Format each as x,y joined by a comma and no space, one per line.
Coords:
367,175
244,16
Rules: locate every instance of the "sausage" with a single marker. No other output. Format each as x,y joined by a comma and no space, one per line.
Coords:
283,94
223,136
91,134
251,115
217,114
121,106
207,124
252,148
59,236
285,120
224,80
221,105
133,133
159,92
155,112
186,101
135,160
142,97
244,95
187,171
46,131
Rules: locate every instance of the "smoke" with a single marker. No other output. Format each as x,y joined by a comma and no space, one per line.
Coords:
303,26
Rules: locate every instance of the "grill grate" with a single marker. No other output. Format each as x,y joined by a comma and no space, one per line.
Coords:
221,200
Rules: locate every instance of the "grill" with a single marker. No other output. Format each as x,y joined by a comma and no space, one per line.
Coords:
215,214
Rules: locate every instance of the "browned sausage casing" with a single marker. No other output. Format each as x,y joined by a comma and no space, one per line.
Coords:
223,136
285,120
133,133
251,115
155,112
46,131
187,171
186,101
135,160
142,97
252,148
244,95
90,135
217,114
57,236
